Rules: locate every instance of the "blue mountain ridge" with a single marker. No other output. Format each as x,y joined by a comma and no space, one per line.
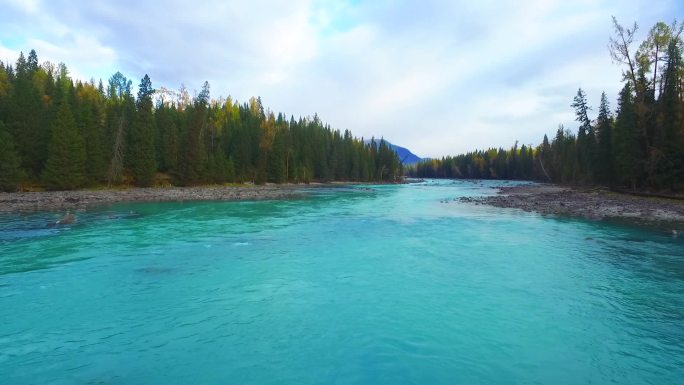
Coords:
404,154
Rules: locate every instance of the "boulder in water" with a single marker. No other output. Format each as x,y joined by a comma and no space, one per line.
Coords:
67,219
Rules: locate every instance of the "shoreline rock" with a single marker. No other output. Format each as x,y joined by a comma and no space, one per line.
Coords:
592,204
18,202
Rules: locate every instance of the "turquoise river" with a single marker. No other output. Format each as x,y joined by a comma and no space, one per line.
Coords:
398,284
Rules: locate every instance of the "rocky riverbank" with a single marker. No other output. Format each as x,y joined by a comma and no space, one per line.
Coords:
81,199
594,204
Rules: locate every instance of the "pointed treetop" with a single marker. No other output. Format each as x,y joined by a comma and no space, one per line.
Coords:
581,109
145,91
21,64
32,62
604,108
203,97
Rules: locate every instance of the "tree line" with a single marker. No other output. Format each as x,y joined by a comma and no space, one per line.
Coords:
61,134
639,146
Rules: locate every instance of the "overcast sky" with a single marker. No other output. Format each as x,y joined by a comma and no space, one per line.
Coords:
438,77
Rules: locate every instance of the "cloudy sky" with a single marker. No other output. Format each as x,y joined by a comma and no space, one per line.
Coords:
439,77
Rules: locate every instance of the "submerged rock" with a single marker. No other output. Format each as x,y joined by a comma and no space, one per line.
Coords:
154,270
67,219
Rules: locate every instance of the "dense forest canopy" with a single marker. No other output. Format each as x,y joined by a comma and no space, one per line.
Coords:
639,146
58,133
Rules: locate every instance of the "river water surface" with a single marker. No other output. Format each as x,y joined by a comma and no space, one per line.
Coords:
353,285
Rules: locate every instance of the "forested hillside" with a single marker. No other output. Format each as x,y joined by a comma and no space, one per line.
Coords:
638,146
57,133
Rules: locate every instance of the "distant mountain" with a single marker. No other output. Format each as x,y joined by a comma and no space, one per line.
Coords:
404,154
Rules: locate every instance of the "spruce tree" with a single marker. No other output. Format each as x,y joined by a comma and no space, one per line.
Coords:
119,110
24,118
545,159
143,159
65,167
165,120
32,61
90,122
629,157
230,171
194,157
604,165
10,170
671,161
276,160
585,138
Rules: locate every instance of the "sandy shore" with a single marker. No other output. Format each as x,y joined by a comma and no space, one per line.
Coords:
81,199
595,204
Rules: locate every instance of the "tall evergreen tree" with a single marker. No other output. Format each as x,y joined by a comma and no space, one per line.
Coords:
604,165
143,162
545,158
194,159
24,119
276,161
629,158
585,138
65,167
89,119
120,110
10,171
169,141
32,62
671,161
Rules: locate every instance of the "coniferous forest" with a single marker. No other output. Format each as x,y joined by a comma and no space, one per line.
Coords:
638,146
61,134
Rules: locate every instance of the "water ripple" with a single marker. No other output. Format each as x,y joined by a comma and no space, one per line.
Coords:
386,286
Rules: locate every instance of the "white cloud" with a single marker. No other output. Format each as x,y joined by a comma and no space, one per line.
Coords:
8,55
26,6
89,54
440,77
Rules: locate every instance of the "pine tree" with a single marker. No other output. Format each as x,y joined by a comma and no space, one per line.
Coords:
10,171
32,62
24,118
169,138
194,159
65,167
276,160
89,120
671,161
143,162
604,166
120,110
629,157
585,138
545,159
